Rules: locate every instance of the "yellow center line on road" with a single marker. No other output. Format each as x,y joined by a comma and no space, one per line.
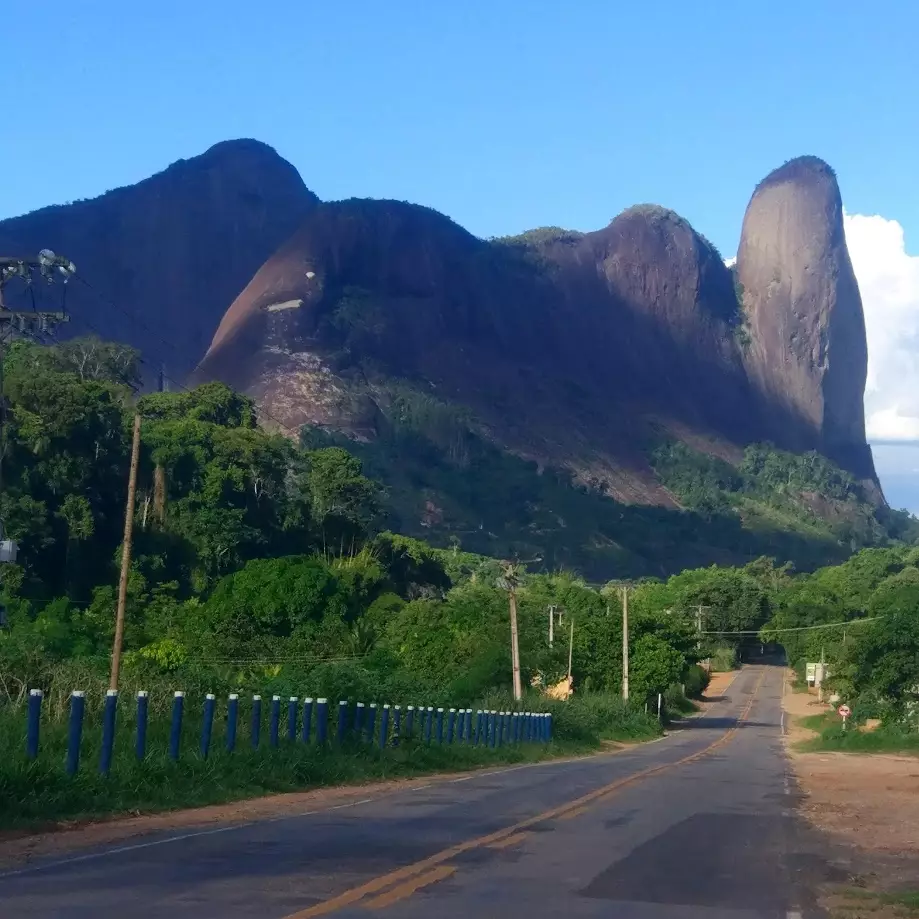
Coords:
423,868
509,841
407,888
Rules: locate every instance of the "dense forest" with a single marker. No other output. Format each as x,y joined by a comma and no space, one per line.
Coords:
260,564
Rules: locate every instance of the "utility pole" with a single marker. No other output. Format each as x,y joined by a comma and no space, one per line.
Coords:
625,643
570,649
125,555
551,625
699,610
49,267
509,581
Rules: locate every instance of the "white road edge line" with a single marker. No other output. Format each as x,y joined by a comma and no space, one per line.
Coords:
182,837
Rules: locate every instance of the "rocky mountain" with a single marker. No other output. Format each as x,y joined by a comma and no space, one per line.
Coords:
575,350
165,257
808,349
506,390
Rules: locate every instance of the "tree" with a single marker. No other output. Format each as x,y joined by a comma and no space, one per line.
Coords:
343,500
886,653
654,666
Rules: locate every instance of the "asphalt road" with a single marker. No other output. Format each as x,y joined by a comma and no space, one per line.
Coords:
697,824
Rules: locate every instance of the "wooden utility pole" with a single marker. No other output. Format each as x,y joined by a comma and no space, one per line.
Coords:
625,644
515,644
125,555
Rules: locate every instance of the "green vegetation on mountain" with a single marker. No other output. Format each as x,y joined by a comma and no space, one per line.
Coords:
446,483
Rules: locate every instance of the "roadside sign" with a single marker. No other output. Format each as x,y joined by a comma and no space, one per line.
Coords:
844,712
811,673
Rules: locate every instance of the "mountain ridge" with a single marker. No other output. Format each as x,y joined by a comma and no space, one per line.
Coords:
583,352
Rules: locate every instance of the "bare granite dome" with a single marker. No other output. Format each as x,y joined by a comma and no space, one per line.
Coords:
808,352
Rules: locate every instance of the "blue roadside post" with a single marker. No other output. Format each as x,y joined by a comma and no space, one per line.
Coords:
109,713
292,718
479,724
371,721
440,726
515,727
33,724
467,730
232,720
75,730
396,724
143,715
274,723
451,725
384,727
358,718
322,720
307,718
409,721
255,730
207,724
428,723
342,720
492,739
527,727
175,731
549,728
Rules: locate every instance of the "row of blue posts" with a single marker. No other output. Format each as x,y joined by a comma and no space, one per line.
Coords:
480,728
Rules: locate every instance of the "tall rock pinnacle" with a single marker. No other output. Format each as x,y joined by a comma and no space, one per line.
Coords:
808,352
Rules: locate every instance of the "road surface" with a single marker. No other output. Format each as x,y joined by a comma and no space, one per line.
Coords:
697,824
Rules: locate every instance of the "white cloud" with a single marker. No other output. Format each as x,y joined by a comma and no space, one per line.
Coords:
888,277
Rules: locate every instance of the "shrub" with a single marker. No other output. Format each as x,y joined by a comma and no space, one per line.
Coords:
696,681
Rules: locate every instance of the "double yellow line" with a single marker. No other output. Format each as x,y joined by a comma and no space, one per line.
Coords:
397,885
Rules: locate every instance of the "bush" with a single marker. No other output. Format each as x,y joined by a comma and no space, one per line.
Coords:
696,681
724,659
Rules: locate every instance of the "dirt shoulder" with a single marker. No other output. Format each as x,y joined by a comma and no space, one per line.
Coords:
867,806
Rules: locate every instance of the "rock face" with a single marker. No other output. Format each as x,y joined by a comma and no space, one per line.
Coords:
576,350
164,257
808,354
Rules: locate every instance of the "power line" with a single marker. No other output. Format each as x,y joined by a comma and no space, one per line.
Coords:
765,630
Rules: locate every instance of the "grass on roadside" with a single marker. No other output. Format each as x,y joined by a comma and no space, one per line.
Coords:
831,736
852,903
40,792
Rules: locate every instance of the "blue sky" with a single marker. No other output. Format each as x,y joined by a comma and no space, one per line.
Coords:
504,115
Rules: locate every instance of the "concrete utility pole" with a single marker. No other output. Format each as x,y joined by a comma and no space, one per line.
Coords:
570,650
509,581
625,643
48,267
551,625
125,555
699,610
